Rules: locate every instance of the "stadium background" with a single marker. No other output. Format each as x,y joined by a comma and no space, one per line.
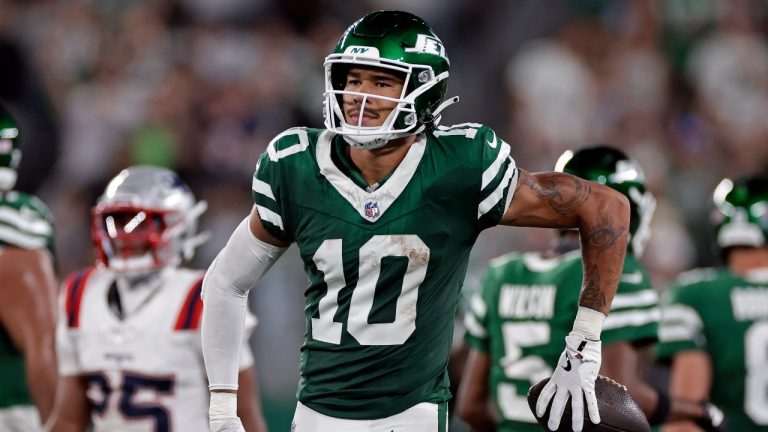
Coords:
201,86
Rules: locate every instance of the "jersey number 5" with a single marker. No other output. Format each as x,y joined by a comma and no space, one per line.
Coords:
328,260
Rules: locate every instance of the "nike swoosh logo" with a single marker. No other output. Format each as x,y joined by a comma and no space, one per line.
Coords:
495,141
632,278
567,366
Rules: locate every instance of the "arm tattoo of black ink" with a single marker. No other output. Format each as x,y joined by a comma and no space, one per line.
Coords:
604,234
591,296
564,193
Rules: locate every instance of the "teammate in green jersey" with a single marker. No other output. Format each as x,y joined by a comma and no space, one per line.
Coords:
527,304
384,206
714,326
27,296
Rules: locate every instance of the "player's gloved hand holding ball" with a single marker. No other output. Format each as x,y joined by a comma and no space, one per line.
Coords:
576,373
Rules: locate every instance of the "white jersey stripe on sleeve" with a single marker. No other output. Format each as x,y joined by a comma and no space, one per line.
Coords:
492,171
474,327
13,217
509,179
478,306
262,188
270,216
631,318
512,186
682,315
676,334
12,236
647,297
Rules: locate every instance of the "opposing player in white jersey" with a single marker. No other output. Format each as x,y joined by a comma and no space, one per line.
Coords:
128,334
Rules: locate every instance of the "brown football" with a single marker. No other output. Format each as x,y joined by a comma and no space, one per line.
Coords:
618,411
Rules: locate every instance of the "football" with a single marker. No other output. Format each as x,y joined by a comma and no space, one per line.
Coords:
618,411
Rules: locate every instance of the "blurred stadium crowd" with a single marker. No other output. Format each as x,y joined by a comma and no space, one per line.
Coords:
201,86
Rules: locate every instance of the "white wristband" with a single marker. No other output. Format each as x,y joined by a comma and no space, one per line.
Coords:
223,405
588,323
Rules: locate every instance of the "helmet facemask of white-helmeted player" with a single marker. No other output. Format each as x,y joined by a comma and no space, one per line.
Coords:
146,221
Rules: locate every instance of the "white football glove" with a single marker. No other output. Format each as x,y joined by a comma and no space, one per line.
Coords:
226,424
222,413
575,375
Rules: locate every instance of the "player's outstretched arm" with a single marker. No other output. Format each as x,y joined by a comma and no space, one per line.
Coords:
28,313
557,200
248,255
474,397
71,412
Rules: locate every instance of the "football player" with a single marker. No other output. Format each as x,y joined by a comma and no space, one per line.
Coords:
384,205
128,336
714,326
527,303
27,296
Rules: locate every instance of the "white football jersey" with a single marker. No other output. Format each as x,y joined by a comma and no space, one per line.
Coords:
144,372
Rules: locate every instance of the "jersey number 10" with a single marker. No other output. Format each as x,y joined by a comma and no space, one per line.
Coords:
328,259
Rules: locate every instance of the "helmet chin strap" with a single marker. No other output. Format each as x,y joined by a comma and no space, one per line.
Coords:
446,103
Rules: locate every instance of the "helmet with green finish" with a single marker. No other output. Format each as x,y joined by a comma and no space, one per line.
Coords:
741,215
399,43
612,167
10,154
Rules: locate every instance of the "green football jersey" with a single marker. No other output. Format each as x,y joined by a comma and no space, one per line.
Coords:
25,222
526,308
385,264
726,316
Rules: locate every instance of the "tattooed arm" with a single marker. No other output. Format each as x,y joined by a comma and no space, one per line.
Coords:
557,200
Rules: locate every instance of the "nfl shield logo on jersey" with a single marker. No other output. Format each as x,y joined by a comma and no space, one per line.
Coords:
371,210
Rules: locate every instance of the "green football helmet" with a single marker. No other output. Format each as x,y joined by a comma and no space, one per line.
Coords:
741,215
400,43
10,154
612,167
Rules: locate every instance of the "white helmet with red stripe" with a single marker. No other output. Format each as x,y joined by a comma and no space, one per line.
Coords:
146,220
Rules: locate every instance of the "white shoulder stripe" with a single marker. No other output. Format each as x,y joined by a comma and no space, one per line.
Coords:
512,187
474,327
677,314
631,318
478,306
677,334
646,297
270,216
262,188
12,236
33,226
510,179
492,171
